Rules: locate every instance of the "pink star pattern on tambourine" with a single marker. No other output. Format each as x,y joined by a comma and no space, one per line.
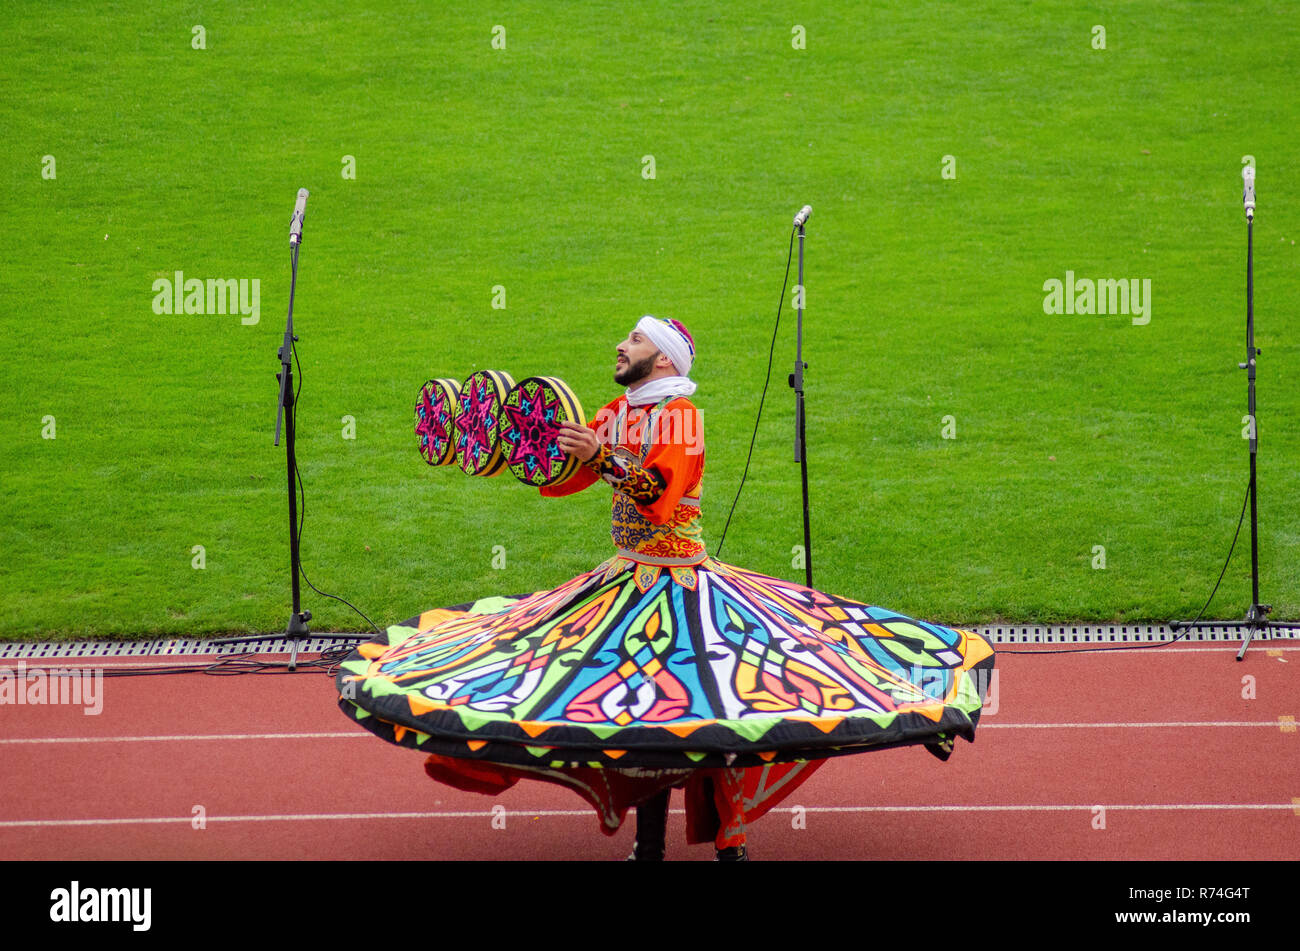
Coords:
435,421
530,426
478,445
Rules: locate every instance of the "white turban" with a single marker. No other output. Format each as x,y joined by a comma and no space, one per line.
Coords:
670,341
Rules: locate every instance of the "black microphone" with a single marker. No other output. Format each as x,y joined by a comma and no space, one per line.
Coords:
295,223
802,217
1248,193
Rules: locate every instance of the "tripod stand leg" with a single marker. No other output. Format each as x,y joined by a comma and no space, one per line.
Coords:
1256,620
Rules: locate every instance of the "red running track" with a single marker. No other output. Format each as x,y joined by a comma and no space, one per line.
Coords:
1153,754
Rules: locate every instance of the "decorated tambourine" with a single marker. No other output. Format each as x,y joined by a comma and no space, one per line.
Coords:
529,424
435,421
478,435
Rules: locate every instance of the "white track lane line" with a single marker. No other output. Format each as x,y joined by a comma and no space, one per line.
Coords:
208,660
524,813
985,725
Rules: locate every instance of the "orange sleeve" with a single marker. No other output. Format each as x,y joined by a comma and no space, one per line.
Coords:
586,476
677,455
580,480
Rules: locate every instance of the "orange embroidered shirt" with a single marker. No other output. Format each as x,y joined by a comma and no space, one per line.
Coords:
653,456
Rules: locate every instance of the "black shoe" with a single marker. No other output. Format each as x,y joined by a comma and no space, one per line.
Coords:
640,854
736,853
651,826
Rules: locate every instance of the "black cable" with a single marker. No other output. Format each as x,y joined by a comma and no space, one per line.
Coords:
1139,647
767,379
240,663
770,353
302,503
332,657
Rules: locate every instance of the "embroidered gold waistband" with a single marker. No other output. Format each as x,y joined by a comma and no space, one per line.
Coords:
662,561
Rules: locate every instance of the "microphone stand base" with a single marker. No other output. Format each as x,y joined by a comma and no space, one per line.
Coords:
1255,623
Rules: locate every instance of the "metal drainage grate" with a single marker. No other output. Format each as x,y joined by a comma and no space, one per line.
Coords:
1112,634
166,647
995,633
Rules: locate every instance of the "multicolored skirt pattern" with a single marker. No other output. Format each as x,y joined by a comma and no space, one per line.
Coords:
634,667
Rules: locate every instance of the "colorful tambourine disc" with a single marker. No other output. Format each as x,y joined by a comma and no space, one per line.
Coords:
435,416
530,424
478,442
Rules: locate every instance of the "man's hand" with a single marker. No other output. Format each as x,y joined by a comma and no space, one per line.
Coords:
577,441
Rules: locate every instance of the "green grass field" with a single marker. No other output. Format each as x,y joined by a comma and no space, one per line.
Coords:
525,167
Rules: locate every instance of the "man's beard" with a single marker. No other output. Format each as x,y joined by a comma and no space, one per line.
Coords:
635,372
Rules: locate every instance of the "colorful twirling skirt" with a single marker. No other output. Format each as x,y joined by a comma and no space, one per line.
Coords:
632,678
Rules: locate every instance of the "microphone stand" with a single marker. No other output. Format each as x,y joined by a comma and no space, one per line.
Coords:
796,382
297,629
1256,620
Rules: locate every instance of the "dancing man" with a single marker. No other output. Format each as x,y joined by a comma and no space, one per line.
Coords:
648,445
661,667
